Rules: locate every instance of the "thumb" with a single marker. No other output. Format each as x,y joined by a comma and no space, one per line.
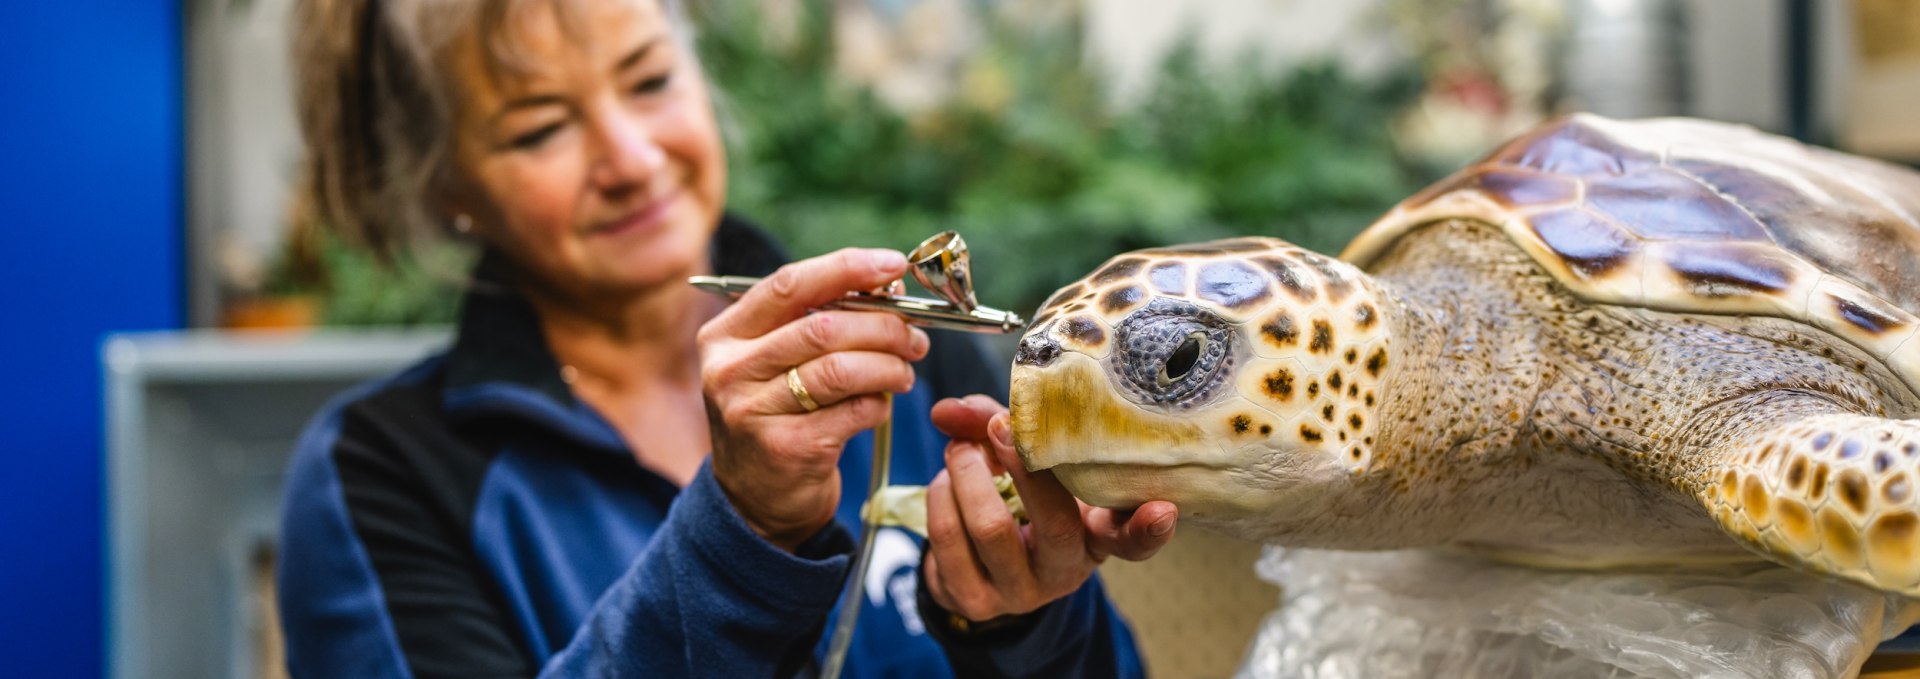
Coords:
1135,535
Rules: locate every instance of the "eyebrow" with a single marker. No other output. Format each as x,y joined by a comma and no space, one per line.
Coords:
537,100
639,53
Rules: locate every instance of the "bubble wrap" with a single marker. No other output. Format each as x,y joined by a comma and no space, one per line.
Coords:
1381,615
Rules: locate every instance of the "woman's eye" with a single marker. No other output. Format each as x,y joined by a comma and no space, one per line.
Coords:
652,85
537,137
1181,361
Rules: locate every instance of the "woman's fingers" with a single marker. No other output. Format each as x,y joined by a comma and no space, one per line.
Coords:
818,437
959,578
995,533
1058,535
838,376
797,287
827,332
966,418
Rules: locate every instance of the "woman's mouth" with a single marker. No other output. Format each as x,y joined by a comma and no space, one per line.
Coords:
646,218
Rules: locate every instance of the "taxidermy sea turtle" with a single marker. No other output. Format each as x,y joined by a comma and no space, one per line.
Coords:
1607,343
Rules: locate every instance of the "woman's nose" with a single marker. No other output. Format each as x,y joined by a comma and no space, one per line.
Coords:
629,152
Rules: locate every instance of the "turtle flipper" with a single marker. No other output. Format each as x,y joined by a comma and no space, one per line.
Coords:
1833,493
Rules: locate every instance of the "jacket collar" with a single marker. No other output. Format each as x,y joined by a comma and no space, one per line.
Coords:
500,363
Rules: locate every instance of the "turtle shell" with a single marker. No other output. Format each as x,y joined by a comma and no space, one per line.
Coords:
1701,217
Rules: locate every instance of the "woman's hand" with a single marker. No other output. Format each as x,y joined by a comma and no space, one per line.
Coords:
778,462
983,563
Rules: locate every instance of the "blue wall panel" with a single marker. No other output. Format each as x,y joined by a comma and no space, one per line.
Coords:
90,242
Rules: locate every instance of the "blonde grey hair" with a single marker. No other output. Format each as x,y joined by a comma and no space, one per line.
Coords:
376,110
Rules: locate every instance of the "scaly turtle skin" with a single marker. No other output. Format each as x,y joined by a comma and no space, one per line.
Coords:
1606,343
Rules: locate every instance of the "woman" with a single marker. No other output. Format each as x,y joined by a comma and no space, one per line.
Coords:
541,499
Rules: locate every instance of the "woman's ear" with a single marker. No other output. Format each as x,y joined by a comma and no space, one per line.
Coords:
455,207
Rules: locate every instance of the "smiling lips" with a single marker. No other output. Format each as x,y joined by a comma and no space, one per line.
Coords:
645,218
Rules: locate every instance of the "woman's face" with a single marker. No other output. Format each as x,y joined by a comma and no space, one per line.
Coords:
594,163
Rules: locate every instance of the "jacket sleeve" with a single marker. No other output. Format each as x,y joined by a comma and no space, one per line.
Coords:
378,579
710,598
1080,635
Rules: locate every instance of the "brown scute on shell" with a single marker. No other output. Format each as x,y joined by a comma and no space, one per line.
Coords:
1122,298
1333,380
1726,270
1591,246
1279,384
1570,147
1322,337
1084,330
1117,270
1310,434
1508,186
1280,331
1297,285
1170,278
1861,316
1855,235
1376,362
1232,285
1667,205
1513,188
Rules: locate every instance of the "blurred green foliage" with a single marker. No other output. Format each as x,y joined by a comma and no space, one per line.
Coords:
1032,162
423,287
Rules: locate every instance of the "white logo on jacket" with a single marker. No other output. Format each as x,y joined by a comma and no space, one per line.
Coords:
895,559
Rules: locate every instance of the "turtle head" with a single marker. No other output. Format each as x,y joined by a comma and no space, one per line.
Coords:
1239,379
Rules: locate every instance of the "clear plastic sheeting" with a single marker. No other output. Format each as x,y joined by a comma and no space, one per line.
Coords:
1382,615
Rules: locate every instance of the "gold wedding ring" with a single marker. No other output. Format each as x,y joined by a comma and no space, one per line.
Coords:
800,390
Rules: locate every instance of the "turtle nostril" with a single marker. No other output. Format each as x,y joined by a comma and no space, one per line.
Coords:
1037,350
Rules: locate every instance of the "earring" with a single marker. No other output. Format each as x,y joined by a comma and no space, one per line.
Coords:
463,224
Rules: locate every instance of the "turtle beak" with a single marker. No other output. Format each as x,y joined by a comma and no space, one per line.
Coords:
1066,412
1040,404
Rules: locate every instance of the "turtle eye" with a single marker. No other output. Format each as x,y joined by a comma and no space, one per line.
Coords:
1172,354
1181,361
